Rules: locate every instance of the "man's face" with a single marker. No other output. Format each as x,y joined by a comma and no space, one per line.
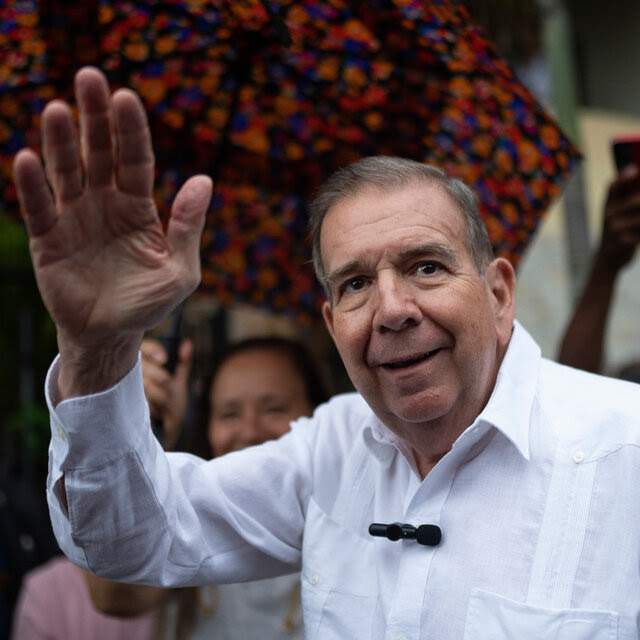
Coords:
420,331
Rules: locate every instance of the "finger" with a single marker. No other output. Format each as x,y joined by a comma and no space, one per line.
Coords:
626,182
135,152
621,214
624,216
156,382
156,399
154,388
185,353
60,151
34,195
96,126
183,366
187,221
153,351
629,242
155,373
633,237
629,172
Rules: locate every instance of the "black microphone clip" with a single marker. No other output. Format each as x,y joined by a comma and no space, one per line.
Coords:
427,534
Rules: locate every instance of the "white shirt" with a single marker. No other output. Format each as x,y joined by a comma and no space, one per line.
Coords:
260,610
538,502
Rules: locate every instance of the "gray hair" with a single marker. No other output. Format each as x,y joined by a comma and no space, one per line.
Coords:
384,172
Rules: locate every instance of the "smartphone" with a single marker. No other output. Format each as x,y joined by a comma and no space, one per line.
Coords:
626,151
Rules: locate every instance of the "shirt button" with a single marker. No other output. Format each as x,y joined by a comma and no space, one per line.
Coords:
314,578
578,456
61,433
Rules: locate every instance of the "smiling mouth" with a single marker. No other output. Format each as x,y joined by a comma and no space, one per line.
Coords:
402,364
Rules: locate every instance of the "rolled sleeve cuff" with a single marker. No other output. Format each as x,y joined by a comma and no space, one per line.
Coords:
90,431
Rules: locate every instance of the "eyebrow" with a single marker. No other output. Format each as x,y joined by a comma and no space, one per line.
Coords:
427,251
431,250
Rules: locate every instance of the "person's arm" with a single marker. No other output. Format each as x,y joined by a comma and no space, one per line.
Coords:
106,269
167,393
582,345
583,342
121,599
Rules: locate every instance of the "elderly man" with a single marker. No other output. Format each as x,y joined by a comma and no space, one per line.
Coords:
502,488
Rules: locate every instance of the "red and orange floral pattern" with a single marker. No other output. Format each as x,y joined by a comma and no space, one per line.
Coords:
270,98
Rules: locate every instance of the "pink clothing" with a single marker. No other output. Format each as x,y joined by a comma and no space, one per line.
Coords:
54,604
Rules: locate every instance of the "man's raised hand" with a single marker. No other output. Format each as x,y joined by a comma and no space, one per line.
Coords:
106,269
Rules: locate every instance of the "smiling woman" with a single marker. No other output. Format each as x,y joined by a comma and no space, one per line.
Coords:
256,388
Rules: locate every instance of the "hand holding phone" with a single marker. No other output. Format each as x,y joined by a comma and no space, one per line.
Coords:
626,151
621,224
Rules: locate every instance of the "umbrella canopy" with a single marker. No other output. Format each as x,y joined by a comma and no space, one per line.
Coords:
272,97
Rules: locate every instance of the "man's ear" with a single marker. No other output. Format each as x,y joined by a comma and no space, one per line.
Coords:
327,314
501,280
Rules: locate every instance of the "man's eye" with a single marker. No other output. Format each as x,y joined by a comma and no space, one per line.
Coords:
427,268
355,284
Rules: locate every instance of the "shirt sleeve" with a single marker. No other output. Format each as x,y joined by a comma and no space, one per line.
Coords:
136,514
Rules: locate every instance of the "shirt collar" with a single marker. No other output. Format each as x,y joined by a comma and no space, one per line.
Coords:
509,406
378,437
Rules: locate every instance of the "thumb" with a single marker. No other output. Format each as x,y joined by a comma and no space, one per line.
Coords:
185,360
188,214
153,351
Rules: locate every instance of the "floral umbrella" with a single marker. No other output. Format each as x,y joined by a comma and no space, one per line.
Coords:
271,97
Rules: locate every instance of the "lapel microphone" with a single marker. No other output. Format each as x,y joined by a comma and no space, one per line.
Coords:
427,534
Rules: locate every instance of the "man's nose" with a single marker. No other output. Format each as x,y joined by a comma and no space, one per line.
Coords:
397,307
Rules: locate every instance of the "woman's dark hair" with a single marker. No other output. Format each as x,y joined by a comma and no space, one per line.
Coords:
297,354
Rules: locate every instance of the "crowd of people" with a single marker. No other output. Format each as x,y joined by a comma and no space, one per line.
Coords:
525,465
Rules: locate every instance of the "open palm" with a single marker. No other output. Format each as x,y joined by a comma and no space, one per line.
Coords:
105,266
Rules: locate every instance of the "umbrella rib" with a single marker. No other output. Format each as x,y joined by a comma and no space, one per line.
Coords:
278,26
